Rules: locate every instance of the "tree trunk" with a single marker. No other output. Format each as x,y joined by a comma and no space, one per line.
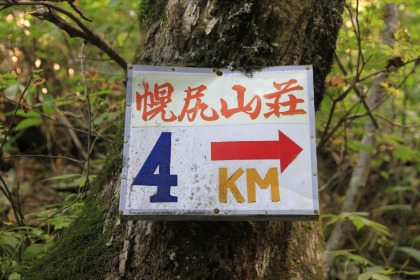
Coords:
246,35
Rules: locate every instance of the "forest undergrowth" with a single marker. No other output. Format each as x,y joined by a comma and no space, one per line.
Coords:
61,101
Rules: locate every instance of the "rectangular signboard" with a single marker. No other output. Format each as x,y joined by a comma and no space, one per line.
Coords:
206,144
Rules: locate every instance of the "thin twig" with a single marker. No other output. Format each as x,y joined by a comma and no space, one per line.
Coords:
4,189
416,60
97,59
386,97
326,134
14,113
330,137
357,90
44,156
77,10
73,135
19,208
7,193
59,211
86,186
396,124
93,133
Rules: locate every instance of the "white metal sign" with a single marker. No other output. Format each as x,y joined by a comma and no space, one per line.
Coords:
215,144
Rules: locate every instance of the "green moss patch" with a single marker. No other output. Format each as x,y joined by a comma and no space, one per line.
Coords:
150,11
81,253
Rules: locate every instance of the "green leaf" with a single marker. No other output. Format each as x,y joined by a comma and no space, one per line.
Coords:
404,153
33,251
358,222
103,27
375,272
101,92
399,189
414,240
28,123
48,109
414,253
57,223
357,258
8,76
379,227
82,180
113,3
385,175
360,146
366,276
393,207
378,276
411,272
15,276
333,218
12,91
66,176
7,238
22,113
354,214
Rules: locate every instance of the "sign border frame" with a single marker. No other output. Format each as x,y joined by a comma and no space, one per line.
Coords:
232,215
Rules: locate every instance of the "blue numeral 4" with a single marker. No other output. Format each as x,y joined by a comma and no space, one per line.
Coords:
160,157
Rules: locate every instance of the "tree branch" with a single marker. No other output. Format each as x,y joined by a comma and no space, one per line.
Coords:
357,90
415,60
44,11
396,124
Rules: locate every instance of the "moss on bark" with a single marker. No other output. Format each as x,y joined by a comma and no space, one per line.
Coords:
82,251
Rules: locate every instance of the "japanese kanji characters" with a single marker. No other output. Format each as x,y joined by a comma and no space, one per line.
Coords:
241,108
281,102
199,106
155,103
293,101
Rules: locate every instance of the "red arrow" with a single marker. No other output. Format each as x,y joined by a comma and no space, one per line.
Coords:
285,149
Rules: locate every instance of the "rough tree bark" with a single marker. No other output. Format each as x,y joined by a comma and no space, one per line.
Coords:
237,34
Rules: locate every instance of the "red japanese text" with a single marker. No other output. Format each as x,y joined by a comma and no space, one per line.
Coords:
292,103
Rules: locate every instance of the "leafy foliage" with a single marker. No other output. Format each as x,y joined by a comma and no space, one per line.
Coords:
53,115
49,130
382,246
